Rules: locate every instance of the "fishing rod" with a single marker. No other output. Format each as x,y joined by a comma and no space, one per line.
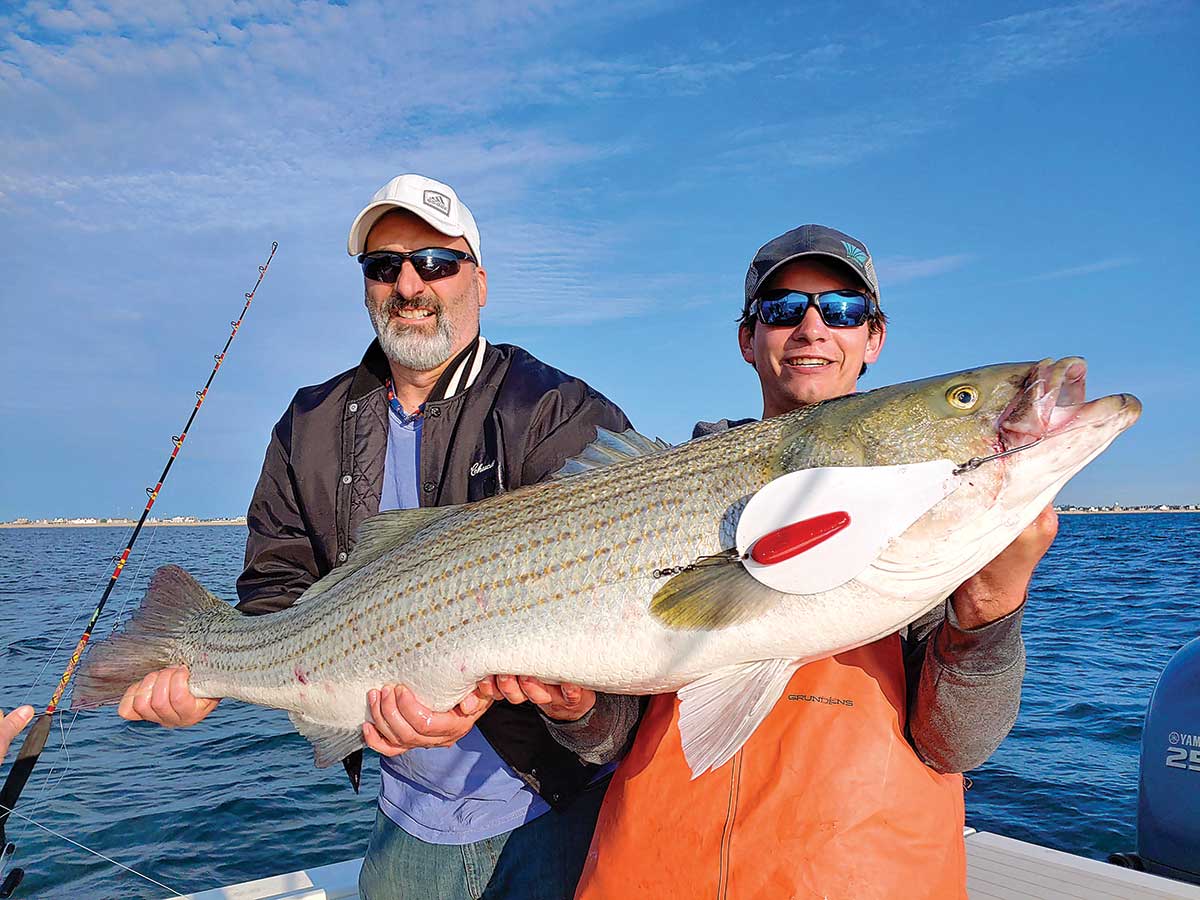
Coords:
35,740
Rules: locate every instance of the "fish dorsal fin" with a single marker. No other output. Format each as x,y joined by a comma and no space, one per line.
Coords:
716,593
610,447
378,535
719,712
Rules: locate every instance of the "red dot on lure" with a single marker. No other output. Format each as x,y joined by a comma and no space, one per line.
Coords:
792,540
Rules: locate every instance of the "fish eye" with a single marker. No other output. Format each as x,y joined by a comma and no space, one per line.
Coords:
962,396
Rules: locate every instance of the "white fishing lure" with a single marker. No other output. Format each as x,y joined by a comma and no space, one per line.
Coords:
910,490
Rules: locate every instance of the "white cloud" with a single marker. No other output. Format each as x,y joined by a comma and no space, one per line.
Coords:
924,95
546,274
901,269
222,115
183,118
1054,36
1101,265
183,115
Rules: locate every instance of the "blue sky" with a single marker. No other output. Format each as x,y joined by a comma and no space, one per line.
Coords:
1023,173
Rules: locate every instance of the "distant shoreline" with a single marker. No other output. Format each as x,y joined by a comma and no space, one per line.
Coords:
129,523
123,523
1124,512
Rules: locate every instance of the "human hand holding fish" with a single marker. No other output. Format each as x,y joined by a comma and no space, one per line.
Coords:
163,697
1001,586
562,702
401,722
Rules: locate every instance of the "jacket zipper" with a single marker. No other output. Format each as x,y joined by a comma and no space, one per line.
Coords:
735,783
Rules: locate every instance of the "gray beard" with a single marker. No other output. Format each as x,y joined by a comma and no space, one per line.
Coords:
406,347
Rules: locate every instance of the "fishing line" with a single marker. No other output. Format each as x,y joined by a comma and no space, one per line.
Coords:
60,835
62,640
36,737
63,633
137,575
69,628
62,769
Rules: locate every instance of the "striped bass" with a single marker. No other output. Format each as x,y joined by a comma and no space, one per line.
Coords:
564,580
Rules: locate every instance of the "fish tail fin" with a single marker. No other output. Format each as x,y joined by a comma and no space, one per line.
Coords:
148,641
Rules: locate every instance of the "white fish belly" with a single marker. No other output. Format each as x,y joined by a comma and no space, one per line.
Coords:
615,645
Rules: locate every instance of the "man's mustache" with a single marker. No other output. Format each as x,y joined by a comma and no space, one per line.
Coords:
399,304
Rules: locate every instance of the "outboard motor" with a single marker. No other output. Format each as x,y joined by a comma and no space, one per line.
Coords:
1169,782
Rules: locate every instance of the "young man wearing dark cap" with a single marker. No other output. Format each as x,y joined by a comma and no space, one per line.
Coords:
850,787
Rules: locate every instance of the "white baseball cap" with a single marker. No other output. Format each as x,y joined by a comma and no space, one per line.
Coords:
433,201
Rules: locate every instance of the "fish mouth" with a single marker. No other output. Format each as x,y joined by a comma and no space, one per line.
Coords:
1053,402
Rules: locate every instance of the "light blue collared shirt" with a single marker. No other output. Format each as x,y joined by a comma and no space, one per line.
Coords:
444,795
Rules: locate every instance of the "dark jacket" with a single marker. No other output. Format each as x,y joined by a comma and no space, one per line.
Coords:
497,419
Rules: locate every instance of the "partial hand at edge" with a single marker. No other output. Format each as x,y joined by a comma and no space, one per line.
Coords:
1000,587
11,725
164,697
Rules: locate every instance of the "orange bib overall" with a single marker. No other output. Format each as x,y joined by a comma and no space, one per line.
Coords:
827,799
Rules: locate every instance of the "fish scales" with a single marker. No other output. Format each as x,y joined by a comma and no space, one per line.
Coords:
609,527
558,580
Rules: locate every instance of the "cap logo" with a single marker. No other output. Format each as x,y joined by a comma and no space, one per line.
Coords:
437,201
855,253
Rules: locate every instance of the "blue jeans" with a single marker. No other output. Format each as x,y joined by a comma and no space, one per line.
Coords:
540,860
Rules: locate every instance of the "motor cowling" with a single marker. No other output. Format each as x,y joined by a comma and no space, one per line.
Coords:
1169,779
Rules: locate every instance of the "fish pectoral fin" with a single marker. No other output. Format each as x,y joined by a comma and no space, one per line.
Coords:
719,712
376,536
330,743
610,447
712,595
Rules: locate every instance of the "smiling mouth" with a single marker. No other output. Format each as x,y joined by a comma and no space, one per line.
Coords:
807,362
412,314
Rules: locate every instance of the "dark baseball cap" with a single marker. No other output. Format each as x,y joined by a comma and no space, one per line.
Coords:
810,240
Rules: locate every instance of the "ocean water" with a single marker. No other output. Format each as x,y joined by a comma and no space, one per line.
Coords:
238,798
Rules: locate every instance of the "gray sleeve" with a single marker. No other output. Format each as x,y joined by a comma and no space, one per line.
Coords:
600,736
964,687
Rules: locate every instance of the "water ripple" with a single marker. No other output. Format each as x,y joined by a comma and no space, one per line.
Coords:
238,797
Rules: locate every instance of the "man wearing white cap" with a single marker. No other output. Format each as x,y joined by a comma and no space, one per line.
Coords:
497,797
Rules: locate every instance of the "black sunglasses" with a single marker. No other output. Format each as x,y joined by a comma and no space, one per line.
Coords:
837,309
431,263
